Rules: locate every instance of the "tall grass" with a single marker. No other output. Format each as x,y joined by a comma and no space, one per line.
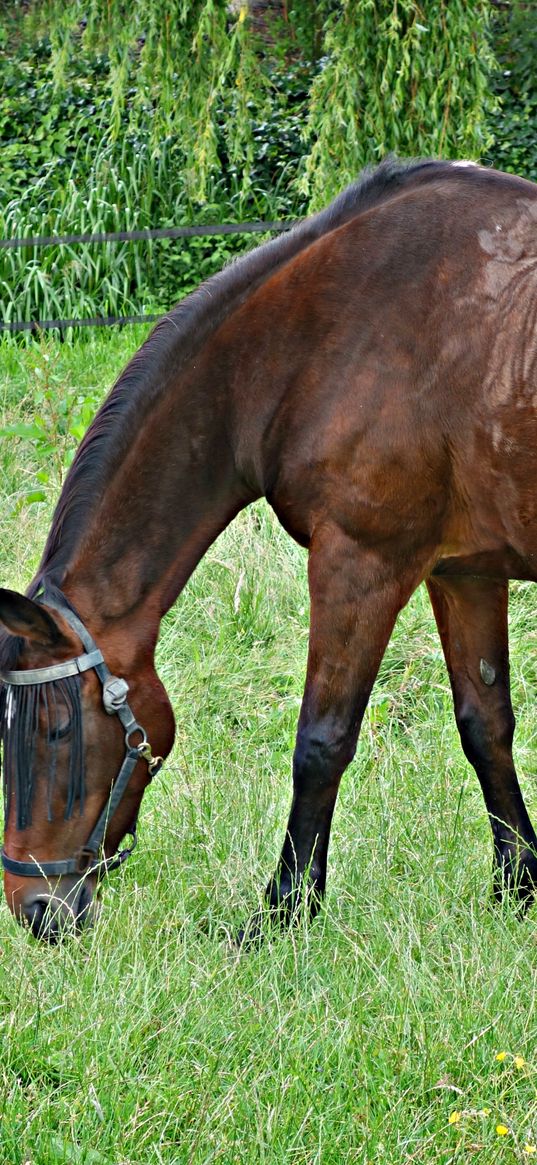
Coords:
400,1026
119,117
123,189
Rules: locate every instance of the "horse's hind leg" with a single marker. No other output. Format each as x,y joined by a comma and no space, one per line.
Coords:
355,598
471,614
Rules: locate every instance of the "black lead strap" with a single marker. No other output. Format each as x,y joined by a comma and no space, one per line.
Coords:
87,860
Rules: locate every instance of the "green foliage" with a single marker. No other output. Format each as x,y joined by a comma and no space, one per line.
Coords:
398,77
514,122
180,78
116,115
54,422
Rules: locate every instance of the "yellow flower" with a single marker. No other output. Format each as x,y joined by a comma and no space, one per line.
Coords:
454,1117
485,1112
502,1130
501,1056
530,1149
519,1061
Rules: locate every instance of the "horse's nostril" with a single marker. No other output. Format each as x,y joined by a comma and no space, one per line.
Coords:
42,922
32,914
51,918
84,906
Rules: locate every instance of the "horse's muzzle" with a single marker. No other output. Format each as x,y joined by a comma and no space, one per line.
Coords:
52,917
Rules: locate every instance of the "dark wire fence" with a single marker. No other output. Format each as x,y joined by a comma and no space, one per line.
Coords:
120,237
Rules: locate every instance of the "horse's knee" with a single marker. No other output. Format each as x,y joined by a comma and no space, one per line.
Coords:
323,750
472,730
482,735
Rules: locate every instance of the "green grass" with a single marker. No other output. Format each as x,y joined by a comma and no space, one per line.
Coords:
151,1039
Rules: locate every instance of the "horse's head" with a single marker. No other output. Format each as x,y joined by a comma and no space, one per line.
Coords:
76,760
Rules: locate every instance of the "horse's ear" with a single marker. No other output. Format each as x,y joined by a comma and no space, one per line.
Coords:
21,616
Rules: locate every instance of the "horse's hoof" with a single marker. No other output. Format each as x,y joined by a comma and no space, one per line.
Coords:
249,937
516,880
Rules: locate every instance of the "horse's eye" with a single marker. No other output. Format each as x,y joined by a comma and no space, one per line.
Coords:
59,732
58,714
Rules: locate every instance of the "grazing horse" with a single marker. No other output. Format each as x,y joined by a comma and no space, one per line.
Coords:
373,374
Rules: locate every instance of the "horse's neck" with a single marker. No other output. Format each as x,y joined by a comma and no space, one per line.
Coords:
174,491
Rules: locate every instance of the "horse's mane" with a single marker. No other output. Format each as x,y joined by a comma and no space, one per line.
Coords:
180,333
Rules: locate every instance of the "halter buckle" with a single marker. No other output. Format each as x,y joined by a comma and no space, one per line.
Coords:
84,859
115,692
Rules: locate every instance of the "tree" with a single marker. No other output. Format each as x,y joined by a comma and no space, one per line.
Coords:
397,76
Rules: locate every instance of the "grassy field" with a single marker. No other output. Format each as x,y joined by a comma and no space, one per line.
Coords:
400,1026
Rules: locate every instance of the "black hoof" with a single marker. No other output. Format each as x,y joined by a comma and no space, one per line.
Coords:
515,877
252,934
285,908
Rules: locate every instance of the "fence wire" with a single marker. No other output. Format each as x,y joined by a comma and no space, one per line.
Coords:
121,237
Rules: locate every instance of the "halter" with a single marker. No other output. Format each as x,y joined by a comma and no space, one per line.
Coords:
87,860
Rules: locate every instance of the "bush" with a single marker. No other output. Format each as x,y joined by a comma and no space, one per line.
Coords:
121,116
513,124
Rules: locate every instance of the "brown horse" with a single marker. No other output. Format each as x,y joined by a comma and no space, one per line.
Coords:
373,374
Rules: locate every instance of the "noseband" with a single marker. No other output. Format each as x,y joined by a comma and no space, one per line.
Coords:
88,860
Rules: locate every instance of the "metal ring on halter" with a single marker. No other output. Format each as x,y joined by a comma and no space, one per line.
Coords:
130,732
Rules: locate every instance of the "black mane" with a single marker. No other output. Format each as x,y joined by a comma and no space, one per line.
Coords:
181,332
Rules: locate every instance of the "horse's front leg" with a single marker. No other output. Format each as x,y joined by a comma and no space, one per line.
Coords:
355,597
471,614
